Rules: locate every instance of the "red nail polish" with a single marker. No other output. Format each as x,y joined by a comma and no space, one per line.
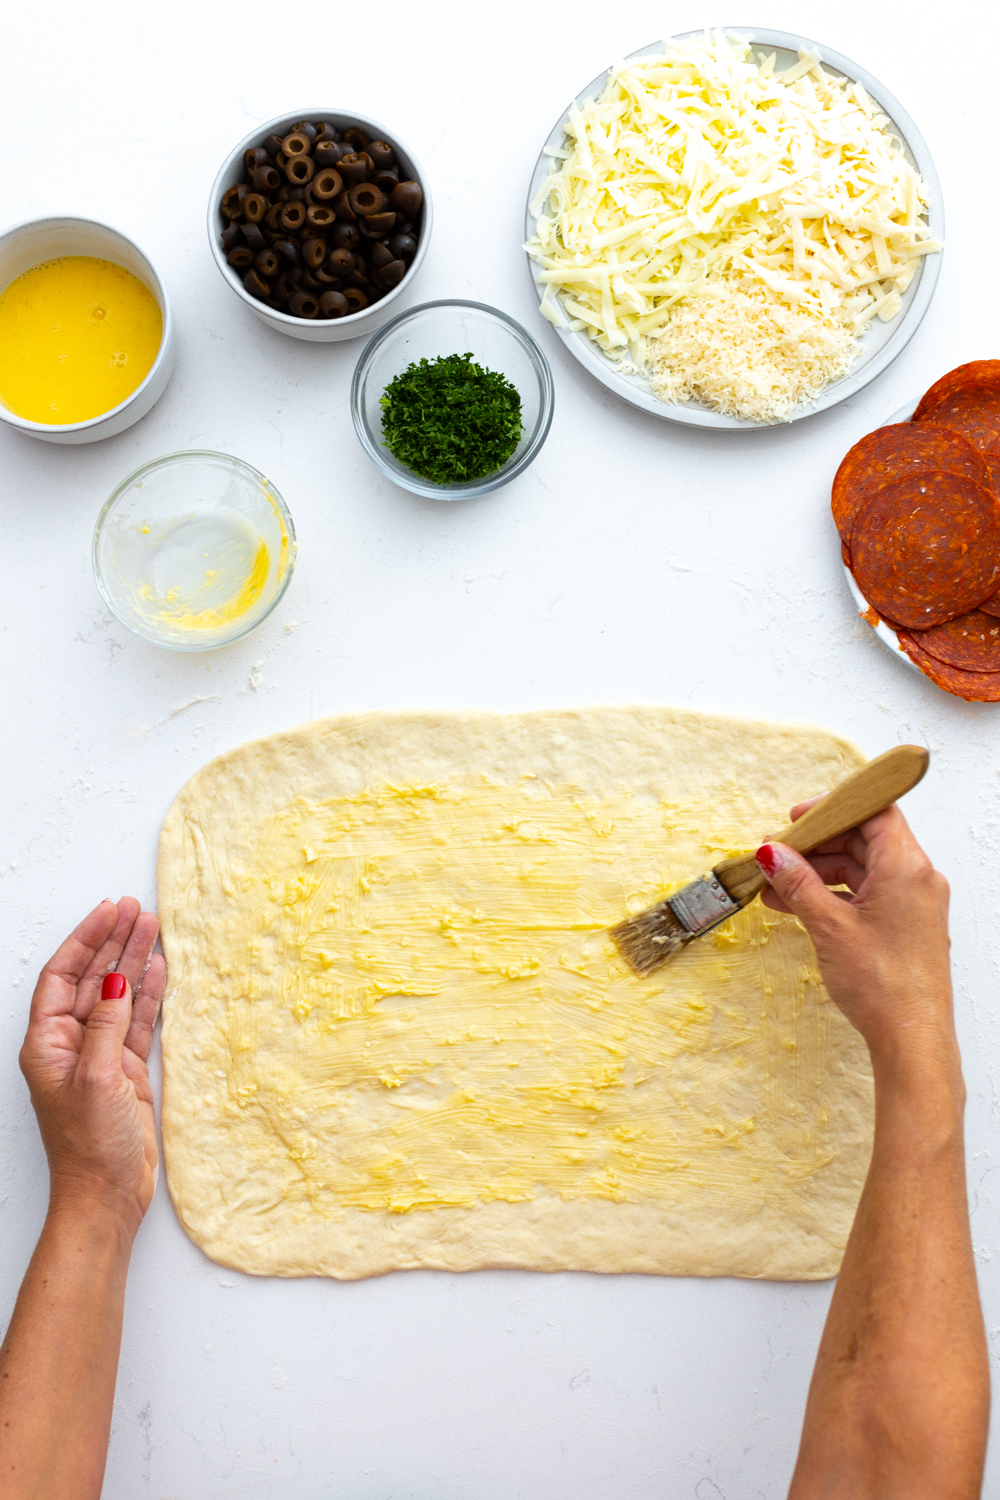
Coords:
767,859
113,987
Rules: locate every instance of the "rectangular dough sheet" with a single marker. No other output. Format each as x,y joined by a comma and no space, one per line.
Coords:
397,1034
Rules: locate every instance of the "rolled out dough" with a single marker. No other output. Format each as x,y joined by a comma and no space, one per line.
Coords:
397,1034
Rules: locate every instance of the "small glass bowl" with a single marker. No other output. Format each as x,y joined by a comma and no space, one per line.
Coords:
194,550
438,328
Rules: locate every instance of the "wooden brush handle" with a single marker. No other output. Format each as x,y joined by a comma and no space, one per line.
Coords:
869,791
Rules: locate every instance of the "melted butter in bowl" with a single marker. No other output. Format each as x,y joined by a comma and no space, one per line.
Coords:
194,550
203,574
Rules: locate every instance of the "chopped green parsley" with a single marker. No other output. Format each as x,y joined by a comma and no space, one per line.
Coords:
449,420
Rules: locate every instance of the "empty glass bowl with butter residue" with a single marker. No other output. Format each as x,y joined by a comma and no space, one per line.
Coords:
194,550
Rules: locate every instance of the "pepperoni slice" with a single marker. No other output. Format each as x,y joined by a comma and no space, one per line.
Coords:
975,687
927,548
967,400
991,458
971,642
894,452
978,374
991,607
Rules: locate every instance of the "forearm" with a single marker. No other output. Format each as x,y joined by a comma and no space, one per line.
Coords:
899,1400
59,1360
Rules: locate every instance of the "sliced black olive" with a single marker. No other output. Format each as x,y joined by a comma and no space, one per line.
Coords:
266,178
354,167
320,215
327,185
254,237
340,263
299,170
377,226
293,216
391,275
407,198
256,285
381,153
345,236
296,143
314,252
366,198
328,153
254,207
303,304
403,246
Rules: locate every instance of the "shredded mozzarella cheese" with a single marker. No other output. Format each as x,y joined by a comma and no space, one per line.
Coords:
702,174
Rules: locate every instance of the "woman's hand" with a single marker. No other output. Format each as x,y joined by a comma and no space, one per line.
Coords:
882,949
85,1061
84,1057
899,1401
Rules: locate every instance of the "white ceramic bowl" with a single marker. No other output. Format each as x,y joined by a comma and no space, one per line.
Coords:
880,343
316,330
28,244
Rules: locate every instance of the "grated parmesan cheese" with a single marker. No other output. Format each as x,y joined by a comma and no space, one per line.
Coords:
748,356
699,177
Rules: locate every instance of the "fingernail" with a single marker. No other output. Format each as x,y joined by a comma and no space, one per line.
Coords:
113,987
768,858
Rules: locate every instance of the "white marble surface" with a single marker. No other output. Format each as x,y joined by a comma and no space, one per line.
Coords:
633,562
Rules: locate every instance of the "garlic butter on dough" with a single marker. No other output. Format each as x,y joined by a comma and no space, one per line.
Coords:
398,1035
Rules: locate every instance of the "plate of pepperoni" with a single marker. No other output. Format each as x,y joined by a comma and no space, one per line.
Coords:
917,505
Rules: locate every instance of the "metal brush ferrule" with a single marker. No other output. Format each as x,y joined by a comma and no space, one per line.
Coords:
702,904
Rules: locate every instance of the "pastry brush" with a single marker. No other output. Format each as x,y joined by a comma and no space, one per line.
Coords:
655,935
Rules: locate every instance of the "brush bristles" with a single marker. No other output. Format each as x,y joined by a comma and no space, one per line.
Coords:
650,939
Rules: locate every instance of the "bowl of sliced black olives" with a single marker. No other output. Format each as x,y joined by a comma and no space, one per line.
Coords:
318,221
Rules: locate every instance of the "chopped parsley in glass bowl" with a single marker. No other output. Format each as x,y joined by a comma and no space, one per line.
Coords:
452,399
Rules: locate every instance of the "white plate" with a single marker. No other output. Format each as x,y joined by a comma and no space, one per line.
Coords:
880,344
